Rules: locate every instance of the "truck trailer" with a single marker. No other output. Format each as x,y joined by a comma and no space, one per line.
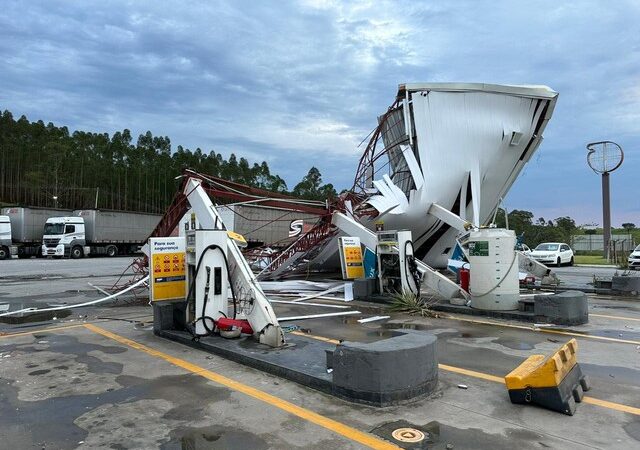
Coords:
5,237
97,232
261,225
265,225
21,230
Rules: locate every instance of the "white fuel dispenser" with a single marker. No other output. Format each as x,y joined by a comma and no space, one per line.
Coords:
397,269
207,278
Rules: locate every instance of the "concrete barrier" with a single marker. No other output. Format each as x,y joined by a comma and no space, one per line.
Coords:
630,285
386,372
565,308
364,288
555,382
169,315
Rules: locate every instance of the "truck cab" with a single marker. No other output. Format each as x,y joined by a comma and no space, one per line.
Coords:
5,237
64,236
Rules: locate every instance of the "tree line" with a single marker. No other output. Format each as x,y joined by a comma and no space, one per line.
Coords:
535,231
49,166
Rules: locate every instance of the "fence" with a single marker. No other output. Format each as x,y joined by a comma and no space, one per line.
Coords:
595,242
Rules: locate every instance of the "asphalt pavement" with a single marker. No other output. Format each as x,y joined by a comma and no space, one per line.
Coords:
582,276
40,282
100,378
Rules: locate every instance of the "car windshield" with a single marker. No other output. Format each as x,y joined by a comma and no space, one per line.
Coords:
547,247
637,249
53,228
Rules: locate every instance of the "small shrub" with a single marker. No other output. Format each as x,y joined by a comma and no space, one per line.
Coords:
410,303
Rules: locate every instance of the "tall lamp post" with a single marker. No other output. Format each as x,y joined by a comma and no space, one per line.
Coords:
604,157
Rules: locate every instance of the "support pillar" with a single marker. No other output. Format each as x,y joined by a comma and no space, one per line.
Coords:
606,214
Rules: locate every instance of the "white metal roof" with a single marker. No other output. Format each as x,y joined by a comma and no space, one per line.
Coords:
536,91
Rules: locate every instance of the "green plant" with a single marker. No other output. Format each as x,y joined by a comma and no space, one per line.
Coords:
408,302
623,260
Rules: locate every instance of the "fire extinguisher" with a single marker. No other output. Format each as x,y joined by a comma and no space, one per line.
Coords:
465,278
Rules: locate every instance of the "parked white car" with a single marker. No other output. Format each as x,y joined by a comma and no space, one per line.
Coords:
557,253
634,258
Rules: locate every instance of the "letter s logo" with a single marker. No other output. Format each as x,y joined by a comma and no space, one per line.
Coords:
295,227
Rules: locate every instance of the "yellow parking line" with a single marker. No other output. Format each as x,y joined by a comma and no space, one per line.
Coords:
545,330
614,317
318,338
330,424
590,336
611,405
325,422
471,373
493,378
40,330
591,400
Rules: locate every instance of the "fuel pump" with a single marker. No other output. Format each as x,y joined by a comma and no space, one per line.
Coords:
207,279
251,303
397,268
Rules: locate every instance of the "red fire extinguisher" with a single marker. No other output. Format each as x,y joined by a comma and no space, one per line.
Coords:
465,278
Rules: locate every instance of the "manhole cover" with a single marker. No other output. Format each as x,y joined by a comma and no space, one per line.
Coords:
408,435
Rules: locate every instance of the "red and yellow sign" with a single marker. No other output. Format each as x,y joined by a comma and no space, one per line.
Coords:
167,268
351,258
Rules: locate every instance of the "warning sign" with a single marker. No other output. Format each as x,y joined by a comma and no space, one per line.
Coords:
167,268
351,258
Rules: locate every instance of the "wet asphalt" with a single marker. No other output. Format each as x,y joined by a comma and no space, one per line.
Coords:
73,388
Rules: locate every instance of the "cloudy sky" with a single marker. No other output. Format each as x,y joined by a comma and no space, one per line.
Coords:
300,83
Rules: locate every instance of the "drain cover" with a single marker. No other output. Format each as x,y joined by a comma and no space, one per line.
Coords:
408,435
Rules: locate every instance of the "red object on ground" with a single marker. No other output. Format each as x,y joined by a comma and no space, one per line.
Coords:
224,323
465,278
528,280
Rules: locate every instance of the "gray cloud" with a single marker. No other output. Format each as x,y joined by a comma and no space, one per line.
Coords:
301,83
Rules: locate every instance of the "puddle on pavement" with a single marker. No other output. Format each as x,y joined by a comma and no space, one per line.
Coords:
514,344
617,334
407,326
614,334
349,320
384,334
625,307
439,330
30,317
213,437
362,334
628,333
67,423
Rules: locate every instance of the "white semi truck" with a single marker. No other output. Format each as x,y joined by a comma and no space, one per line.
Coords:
97,232
5,237
21,230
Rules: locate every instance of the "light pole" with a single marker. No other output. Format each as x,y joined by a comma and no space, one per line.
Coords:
604,157
55,199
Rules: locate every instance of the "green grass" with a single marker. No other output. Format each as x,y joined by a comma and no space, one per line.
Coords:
590,259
